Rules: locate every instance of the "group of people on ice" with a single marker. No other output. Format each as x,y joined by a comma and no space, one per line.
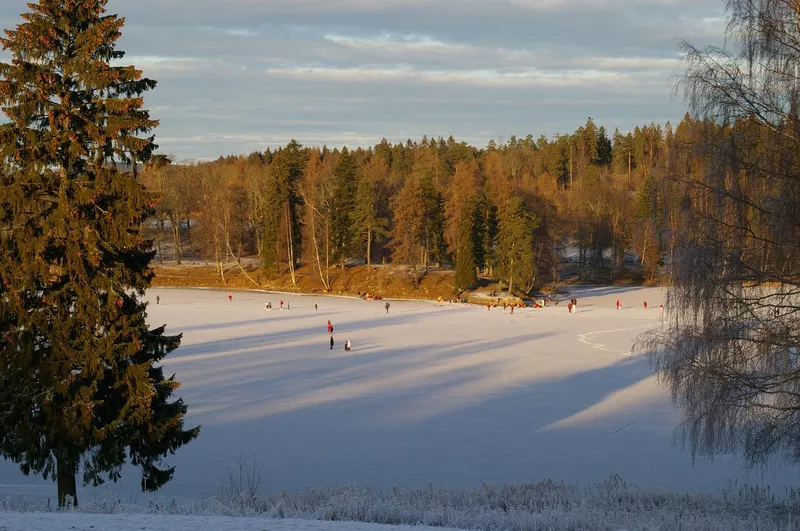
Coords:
572,307
347,345
368,296
268,305
644,305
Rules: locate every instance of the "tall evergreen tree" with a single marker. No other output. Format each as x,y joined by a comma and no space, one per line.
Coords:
287,168
80,382
463,223
368,223
342,206
515,260
435,246
468,241
409,228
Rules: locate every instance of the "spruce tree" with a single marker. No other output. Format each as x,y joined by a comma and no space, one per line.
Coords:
342,206
465,256
367,222
515,259
281,216
80,385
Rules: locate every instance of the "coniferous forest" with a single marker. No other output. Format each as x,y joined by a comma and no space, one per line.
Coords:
509,211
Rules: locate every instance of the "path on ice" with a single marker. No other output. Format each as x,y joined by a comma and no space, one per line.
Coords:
446,394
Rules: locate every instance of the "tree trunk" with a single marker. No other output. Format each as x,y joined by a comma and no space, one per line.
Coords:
66,471
328,253
290,245
644,244
176,238
322,275
511,276
159,228
369,247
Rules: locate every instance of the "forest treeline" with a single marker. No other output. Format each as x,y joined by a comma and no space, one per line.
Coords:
508,211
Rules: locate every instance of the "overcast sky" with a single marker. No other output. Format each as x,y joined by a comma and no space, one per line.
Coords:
236,76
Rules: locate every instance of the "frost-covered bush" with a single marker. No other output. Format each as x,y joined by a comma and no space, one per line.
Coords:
556,506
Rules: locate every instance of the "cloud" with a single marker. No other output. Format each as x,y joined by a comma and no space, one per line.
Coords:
242,75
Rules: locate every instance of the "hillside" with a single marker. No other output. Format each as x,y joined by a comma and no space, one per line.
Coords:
385,281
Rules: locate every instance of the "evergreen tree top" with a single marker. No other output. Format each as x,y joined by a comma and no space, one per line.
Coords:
67,105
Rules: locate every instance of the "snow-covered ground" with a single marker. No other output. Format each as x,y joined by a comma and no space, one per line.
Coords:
149,522
444,394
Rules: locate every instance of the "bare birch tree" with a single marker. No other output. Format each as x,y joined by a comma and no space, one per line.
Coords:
729,349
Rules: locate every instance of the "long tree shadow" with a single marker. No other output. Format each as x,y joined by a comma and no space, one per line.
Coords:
288,379
232,345
460,425
267,318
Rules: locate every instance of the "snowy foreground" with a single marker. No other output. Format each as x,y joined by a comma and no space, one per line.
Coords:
433,396
140,522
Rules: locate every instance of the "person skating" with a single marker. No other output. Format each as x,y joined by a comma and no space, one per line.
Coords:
387,307
230,298
158,299
347,345
619,305
281,305
645,305
330,327
331,342
315,307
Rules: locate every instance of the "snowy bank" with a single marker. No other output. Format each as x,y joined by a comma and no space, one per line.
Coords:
149,522
611,505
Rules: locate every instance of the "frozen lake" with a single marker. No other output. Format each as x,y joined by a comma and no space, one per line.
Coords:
443,394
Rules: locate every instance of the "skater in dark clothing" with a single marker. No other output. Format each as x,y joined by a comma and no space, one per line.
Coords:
331,342
347,345
315,307
158,299
387,307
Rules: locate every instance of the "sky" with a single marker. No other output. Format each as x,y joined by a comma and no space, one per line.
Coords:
237,76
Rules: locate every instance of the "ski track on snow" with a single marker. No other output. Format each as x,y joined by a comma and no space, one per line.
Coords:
584,338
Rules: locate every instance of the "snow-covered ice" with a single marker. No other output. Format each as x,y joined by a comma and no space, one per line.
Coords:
448,394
